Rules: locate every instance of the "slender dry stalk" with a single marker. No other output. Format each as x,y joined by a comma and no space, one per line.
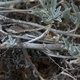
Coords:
42,35
9,2
64,73
39,26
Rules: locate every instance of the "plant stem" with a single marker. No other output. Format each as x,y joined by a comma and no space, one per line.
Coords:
10,2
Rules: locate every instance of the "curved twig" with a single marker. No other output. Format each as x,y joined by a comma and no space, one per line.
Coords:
41,36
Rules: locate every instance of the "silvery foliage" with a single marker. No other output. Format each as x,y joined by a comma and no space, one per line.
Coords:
71,12
10,41
73,50
49,13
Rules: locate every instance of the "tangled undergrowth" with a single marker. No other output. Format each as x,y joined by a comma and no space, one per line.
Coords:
40,40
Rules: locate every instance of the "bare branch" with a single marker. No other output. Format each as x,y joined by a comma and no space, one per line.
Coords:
41,36
41,26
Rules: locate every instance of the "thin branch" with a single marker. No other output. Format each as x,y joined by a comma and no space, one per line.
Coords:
55,46
29,38
42,48
64,73
41,36
25,30
41,26
10,2
52,54
77,26
30,62
15,10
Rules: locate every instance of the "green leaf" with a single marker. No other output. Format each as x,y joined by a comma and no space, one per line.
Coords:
75,8
48,5
72,48
42,2
58,12
66,14
58,19
48,20
53,4
65,4
67,44
78,48
10,42
49,14
73,19
78,17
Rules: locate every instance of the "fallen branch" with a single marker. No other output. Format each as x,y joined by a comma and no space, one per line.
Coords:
37,46
40,26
